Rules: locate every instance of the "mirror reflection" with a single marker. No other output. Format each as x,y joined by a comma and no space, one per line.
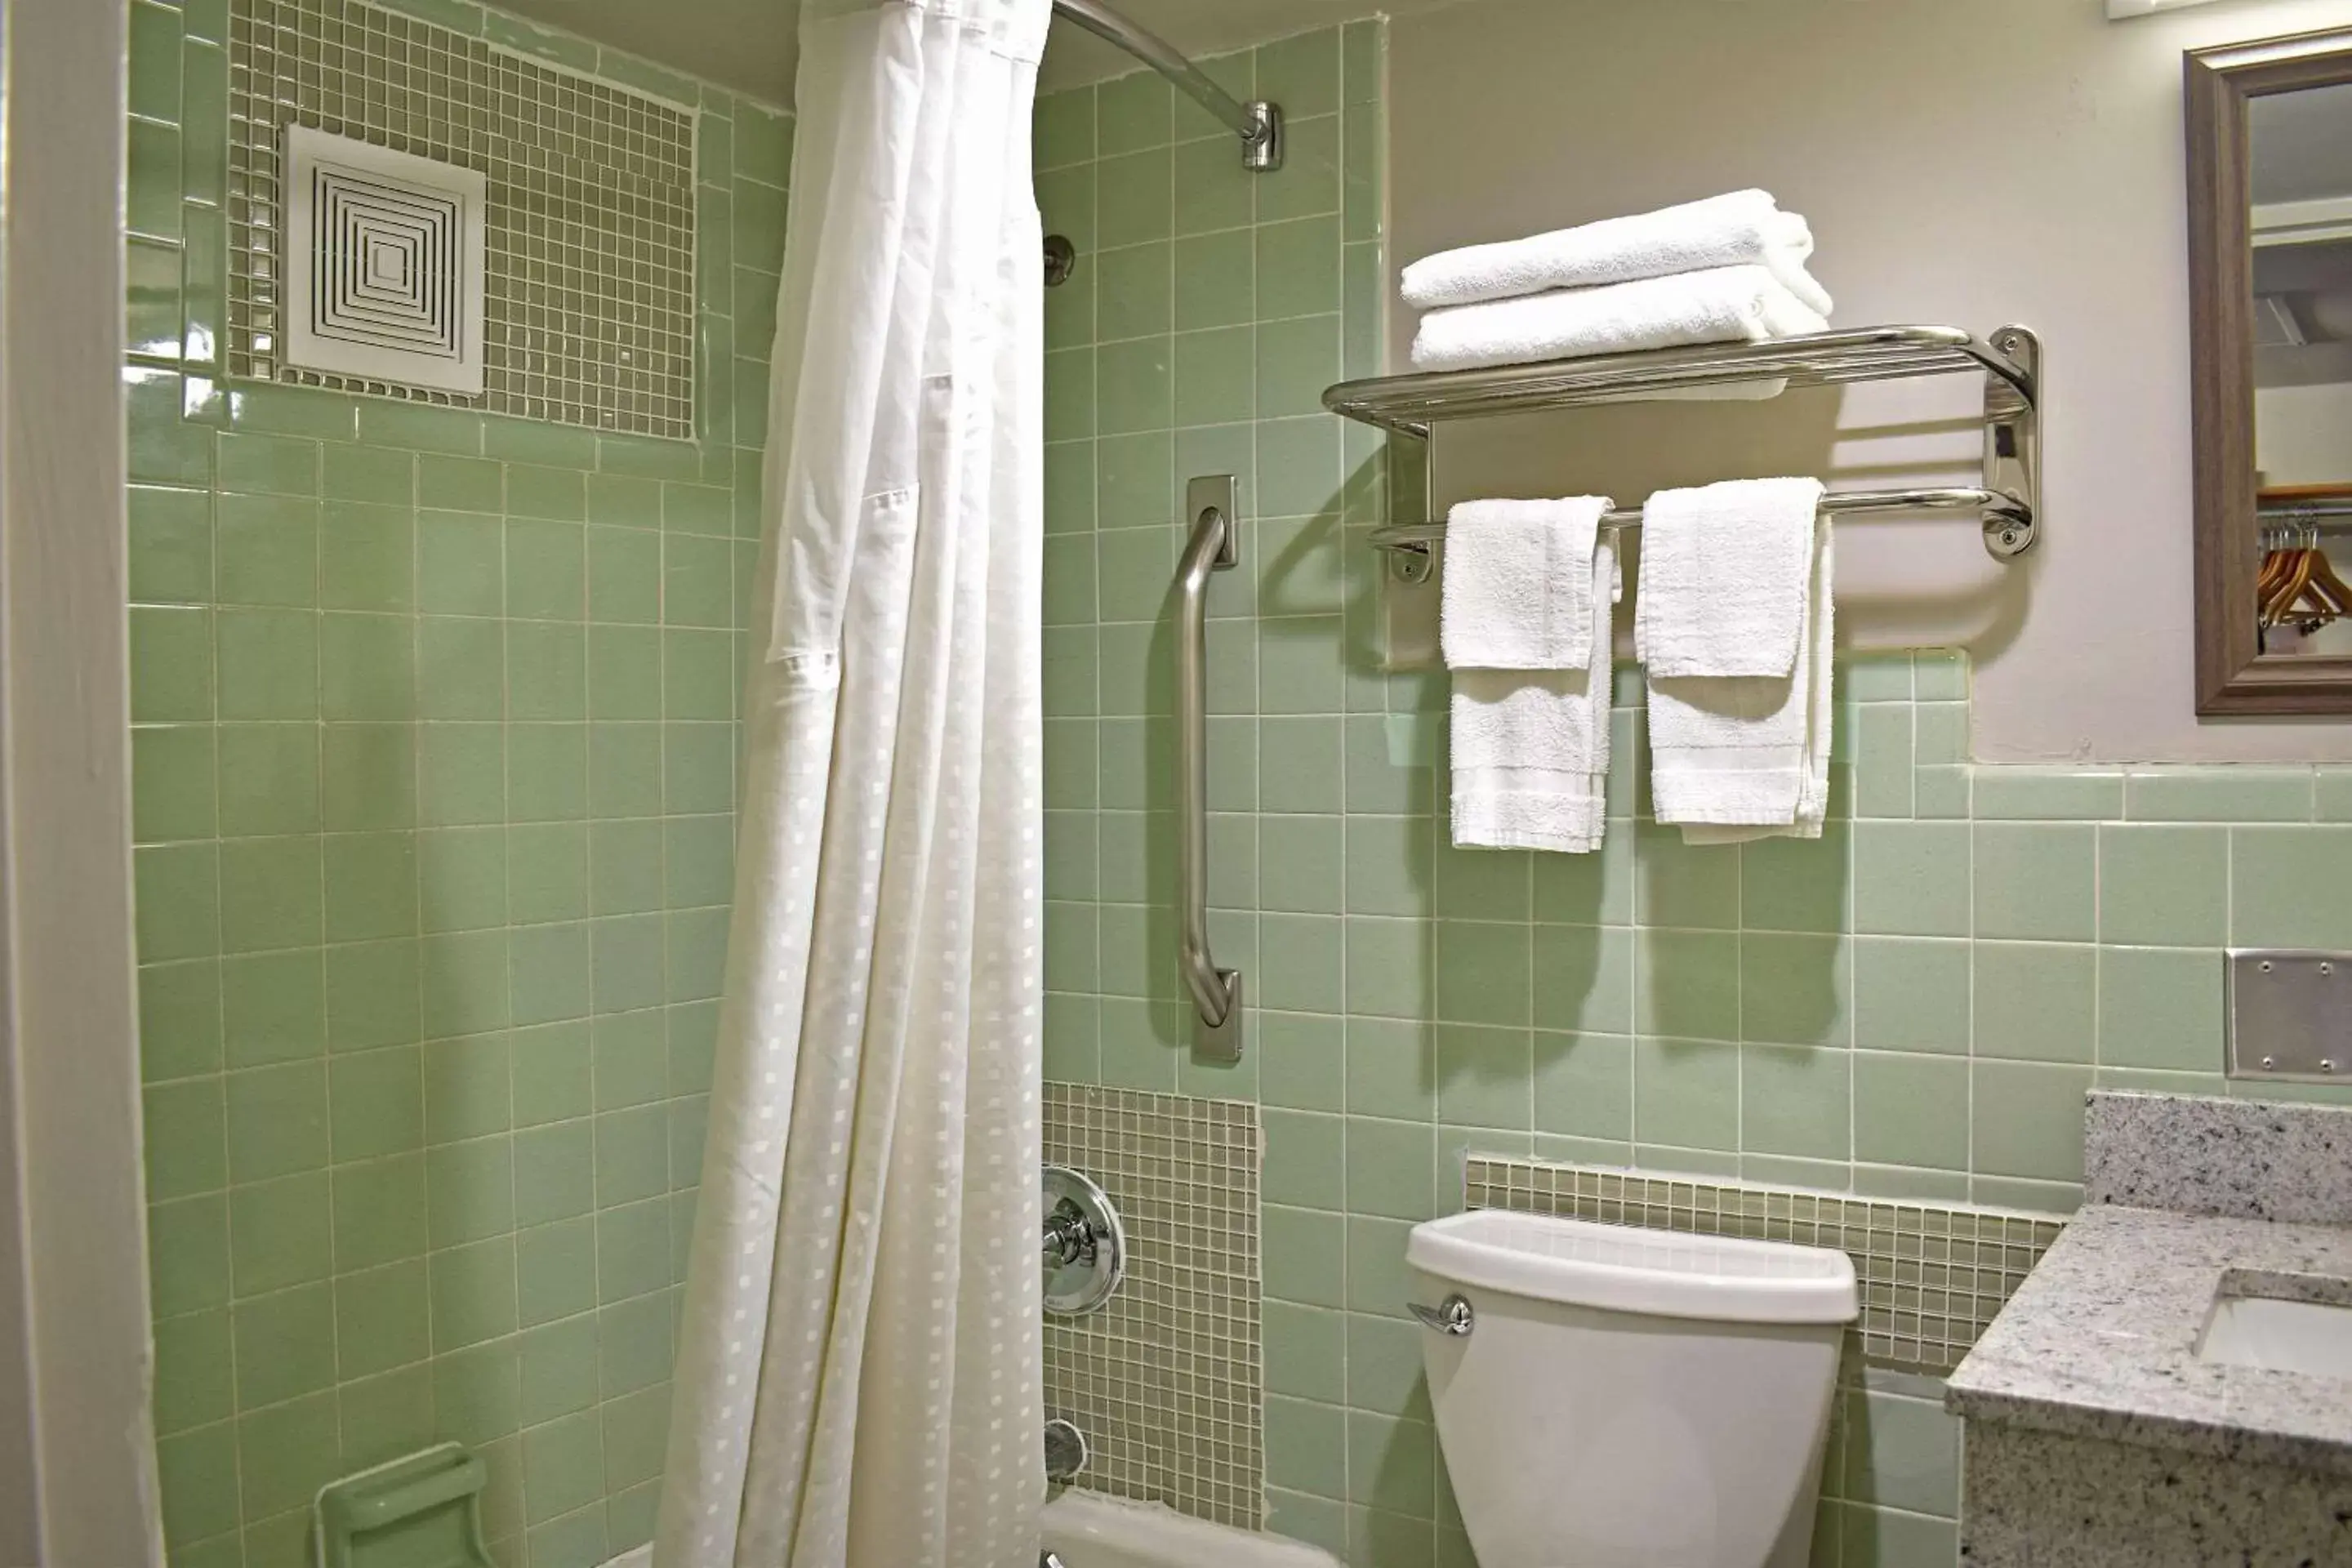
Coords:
2300,198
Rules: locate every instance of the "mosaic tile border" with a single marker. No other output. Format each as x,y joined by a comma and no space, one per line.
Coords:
1167,1383
1933,1277
588,285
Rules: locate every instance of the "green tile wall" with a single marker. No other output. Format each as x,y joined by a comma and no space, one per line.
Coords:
1911,1008
435,763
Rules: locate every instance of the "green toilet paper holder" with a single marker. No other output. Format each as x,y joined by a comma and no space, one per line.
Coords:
423,1510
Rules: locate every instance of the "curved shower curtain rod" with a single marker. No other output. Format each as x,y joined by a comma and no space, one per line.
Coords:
1258,123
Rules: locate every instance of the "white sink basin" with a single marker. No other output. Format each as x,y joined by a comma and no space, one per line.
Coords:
2310,1337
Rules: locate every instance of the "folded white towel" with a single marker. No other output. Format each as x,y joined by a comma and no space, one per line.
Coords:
1741,228
1516,591
1749,756
1724,304
1725,570
1530,748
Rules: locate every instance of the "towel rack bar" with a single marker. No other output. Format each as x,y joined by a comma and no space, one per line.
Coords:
2008,362
1418,537
1411,403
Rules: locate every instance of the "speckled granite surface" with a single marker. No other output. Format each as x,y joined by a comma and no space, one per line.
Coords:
2036,1500
2196,1155
2100,1342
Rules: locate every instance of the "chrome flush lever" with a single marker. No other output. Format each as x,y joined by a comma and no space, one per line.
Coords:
1452,1316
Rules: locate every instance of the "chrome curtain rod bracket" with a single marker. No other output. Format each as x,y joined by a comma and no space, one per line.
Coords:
2008,504
1258,123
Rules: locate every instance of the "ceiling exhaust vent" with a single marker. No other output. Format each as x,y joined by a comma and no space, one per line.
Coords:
384,264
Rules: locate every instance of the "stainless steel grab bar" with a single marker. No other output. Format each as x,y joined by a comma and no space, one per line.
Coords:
1212,504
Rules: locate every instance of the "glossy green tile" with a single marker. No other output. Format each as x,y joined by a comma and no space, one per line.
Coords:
1686,1094
2219,794
2312,861
2037,1001
2161,1007
1911,995
367,776
279,1233
1911,878
273,1008
267,550
1686,983
186,1129
1485,1077
1135,386
171,545
473,1293
1298,266
1134,198
285,1453
277,1121
376,1100
1309,179
269,893
2161,884
171,783
2027,1119
1793,989
269,465
179,1020
2036,880
1483,973
367,557
1911,1110
1795,1100
372,994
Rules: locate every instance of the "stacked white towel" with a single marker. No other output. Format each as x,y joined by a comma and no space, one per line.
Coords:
1734,624
1727,269
1525,626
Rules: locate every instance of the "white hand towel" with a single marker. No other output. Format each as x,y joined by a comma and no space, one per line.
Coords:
1530,748
1749,756
1742,228
1516,591
1725,570
1723,305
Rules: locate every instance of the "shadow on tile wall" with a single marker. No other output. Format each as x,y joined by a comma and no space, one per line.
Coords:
1911,1008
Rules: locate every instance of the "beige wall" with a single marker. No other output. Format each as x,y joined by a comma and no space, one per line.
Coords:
1970,162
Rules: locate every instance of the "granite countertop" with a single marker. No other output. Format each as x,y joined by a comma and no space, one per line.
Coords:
2101,1340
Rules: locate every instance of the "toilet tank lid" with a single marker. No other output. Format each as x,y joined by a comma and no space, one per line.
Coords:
1625,1269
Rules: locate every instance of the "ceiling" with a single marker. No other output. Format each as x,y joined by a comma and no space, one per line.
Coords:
750,44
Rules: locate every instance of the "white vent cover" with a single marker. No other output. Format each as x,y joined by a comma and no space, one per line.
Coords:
383,263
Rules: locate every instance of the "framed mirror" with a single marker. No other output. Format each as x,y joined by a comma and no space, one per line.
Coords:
2270,270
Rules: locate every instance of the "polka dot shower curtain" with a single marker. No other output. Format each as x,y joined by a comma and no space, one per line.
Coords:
858,1381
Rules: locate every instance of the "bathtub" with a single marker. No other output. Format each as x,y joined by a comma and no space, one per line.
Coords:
1086,1530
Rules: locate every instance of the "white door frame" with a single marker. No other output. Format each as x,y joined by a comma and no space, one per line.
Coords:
77,1448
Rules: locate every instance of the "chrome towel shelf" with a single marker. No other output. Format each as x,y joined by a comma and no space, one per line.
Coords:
2010,361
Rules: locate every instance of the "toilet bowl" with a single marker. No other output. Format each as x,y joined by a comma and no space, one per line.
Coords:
1611,1397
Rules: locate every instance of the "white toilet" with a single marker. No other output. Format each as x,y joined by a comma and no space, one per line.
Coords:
1610,1397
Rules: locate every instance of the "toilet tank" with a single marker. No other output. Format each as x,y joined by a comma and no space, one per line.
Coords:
1629,1398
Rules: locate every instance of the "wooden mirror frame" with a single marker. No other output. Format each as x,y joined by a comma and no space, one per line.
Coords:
2232,676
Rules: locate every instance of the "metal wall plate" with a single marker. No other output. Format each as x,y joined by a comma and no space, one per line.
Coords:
1085,1251
2290,1014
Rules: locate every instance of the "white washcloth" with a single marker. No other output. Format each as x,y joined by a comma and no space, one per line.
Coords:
1517,593
1725,304
1725,572
1742,228
1530,748
1749,756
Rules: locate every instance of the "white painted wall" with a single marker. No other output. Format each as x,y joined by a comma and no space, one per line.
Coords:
1972,162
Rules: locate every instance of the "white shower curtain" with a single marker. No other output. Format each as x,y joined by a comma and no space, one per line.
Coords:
858,1382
